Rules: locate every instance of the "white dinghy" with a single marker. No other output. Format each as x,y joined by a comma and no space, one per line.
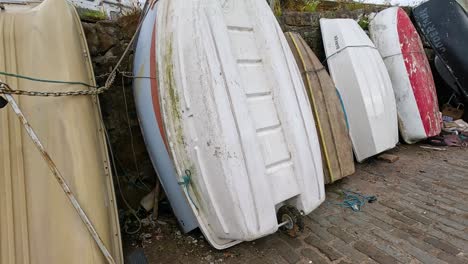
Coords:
230,106
363,81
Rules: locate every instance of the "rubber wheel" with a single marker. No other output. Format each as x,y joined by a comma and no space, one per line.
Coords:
137,257
3,102
295,219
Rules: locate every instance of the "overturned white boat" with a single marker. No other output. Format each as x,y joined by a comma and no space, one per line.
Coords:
403,53
364,84
226,116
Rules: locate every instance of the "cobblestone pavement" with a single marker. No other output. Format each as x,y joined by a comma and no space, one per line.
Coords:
421,216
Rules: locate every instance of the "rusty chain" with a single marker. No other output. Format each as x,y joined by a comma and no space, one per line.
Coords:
6,89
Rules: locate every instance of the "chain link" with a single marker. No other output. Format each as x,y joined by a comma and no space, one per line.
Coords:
5,89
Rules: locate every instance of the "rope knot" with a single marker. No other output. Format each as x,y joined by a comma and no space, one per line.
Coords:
186,180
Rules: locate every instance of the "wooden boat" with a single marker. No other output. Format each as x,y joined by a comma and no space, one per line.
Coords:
330,120
233,115
444,25
364,84
37,222
401,48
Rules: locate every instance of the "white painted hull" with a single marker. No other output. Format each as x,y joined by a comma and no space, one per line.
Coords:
148,108
364,84
400,46
235,116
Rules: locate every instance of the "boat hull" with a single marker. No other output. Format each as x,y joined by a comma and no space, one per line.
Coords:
444,24
38,224
145,90
330,119
235,117
364,84
401,48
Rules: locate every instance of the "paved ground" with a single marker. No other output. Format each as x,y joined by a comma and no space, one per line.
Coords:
421,217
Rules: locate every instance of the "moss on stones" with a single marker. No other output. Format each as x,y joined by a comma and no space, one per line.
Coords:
91,15
364,22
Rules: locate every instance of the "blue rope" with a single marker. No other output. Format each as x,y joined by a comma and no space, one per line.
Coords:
355,200
186,180
342,106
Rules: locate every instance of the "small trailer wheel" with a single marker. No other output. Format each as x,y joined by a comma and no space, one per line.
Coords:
3,102
291,219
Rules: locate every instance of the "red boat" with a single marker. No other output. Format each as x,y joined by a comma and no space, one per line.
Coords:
399,44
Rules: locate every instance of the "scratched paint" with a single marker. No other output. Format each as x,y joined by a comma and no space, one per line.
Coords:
420,74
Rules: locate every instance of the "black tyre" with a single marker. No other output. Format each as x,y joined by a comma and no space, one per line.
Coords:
294,218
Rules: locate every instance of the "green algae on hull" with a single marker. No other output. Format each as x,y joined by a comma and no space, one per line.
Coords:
174,100
176,119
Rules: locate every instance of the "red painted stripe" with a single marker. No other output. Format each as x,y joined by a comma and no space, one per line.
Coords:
420,74
155,88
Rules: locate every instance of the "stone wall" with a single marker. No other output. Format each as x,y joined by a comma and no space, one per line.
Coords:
307,23
107,40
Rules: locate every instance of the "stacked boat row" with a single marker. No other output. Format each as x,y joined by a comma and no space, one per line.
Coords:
368,76
231,112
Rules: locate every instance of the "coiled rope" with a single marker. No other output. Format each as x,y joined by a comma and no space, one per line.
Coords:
355,201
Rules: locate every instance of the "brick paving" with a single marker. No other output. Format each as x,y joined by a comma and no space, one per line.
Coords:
421,216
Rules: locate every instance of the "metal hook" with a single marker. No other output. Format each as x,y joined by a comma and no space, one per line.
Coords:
451,98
